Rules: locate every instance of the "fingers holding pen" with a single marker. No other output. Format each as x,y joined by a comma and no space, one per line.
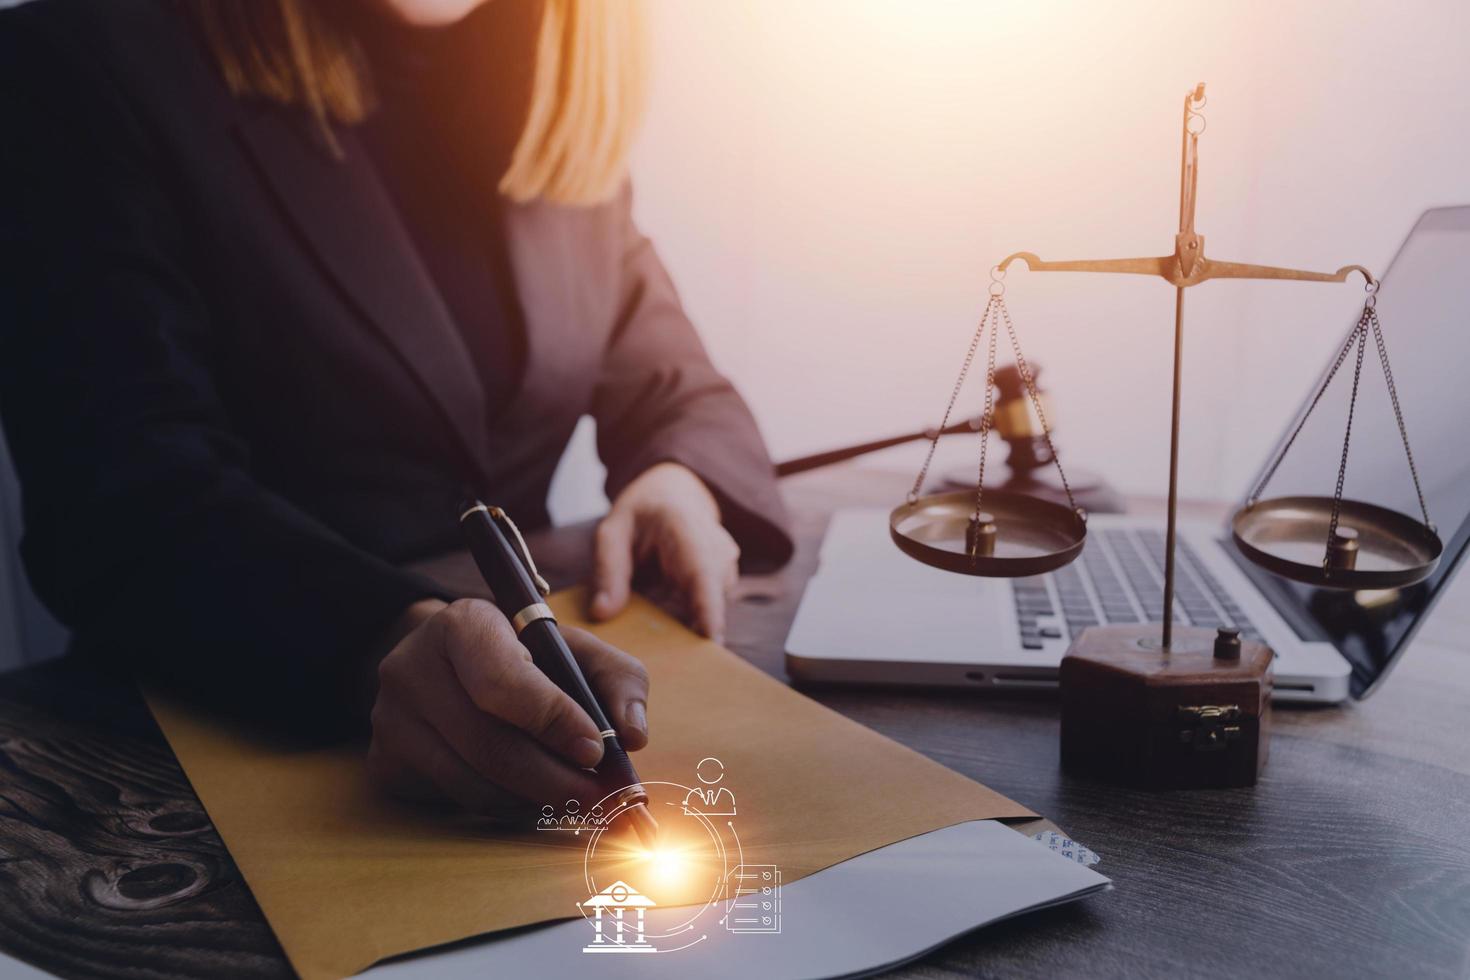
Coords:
508,757
462,710
497,674
620,682
484,768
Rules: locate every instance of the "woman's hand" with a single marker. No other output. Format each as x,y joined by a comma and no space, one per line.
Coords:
667,513
462,713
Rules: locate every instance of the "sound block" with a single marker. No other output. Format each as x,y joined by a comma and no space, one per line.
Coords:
1191,717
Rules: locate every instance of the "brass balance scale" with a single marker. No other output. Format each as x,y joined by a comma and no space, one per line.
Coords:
1326,541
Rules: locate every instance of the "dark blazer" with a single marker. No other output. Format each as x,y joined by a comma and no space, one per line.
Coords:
234,397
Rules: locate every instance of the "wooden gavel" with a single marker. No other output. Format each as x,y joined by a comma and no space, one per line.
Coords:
1013,422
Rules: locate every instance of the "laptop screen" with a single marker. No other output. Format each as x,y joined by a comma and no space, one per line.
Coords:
1424,306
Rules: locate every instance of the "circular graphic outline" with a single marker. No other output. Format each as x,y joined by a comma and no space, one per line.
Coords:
587,855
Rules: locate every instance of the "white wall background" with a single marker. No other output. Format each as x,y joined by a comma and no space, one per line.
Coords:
829,180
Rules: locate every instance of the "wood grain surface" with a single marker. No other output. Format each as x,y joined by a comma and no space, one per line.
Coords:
1348,859
108,865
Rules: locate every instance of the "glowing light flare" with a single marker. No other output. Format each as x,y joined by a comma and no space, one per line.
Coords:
668,864
685,866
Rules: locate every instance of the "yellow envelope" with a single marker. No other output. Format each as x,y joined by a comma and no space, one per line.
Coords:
347,879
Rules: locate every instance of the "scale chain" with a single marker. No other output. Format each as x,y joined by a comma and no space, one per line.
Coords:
1398,414
953,396
1321,390
1347,436
1029,380
987,419
995,311
1357,337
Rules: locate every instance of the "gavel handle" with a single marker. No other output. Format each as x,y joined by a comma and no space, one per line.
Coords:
803,463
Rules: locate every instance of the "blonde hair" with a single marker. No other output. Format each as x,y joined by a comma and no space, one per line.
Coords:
587,91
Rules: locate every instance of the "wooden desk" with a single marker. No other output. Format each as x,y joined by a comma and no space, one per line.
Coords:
1349,858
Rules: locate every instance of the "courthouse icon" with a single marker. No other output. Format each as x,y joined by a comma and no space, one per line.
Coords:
611,909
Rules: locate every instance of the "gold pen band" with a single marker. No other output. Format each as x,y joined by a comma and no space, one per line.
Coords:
529,615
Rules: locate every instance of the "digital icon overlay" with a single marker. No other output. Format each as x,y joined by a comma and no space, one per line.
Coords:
755,899
672,895
617,920
709,798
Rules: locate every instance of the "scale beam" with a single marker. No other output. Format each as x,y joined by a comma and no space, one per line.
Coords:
1164,265
1240,270
1171,268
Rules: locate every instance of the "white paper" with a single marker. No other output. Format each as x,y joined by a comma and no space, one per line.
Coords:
866,914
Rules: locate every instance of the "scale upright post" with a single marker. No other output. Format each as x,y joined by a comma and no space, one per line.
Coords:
1186,267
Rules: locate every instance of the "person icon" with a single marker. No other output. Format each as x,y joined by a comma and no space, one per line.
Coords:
710,799
547,820
572,816
594,816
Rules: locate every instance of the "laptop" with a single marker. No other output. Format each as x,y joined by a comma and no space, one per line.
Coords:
871,615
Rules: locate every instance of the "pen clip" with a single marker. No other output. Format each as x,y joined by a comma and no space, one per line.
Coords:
541,584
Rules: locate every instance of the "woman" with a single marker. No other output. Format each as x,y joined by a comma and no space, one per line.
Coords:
282,281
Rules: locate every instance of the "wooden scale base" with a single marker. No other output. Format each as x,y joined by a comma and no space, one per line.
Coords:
1195,716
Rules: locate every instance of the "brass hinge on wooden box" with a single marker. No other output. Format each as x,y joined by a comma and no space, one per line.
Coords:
1209,727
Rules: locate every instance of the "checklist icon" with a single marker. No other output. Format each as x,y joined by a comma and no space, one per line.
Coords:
755,899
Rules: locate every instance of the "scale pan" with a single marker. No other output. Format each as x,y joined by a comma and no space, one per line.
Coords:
1032,535
1288,536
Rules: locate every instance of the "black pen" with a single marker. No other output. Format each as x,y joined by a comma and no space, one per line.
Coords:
507,566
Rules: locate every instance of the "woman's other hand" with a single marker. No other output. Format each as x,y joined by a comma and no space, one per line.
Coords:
667,514
462,713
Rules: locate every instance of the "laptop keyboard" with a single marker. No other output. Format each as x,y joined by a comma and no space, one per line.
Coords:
1120,579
